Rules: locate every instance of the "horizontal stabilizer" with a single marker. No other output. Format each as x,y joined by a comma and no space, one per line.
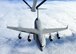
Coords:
42,8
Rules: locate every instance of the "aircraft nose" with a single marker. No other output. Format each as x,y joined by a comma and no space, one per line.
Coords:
42,48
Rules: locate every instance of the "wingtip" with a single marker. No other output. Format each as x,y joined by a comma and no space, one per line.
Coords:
67,27
7,26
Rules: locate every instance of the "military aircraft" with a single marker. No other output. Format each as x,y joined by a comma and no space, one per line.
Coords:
34,6
38,32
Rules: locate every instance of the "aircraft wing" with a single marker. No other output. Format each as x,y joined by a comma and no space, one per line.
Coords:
27,30
53,30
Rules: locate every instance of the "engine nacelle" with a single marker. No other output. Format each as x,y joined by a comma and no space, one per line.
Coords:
29,38
57,35
50,38
19,36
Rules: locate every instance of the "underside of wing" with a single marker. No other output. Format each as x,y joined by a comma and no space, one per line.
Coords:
27,30
54,30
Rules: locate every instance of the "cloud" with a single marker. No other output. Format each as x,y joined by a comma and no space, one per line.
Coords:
40,0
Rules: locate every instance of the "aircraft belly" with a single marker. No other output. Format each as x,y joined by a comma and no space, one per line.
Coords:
42,40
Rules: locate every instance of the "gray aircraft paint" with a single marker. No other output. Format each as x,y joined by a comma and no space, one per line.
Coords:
41,38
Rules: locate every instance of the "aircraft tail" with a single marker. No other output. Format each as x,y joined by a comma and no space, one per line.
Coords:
27,4
34,7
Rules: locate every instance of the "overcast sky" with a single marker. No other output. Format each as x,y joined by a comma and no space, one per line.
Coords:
40,0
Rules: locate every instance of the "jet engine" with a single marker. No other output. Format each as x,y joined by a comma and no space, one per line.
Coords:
19,36
57,35
50,38
29,38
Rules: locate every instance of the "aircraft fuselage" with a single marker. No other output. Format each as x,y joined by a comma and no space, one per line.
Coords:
40,37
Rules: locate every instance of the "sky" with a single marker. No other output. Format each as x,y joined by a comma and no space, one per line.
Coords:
40,0
58,14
